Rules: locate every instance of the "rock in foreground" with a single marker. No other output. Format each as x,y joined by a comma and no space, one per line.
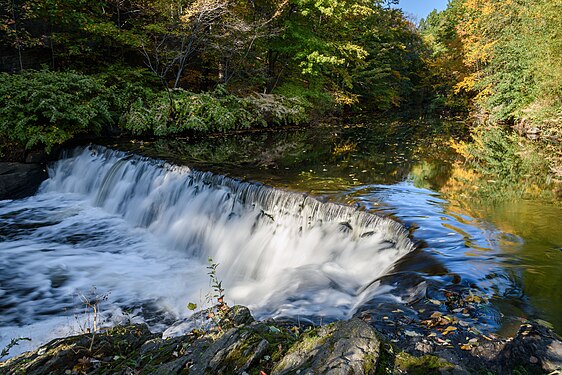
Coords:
240,345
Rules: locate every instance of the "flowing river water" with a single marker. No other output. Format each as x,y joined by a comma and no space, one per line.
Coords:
311,225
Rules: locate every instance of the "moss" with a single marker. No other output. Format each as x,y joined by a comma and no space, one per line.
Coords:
428,364
386,359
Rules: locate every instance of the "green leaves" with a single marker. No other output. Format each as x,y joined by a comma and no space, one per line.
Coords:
215,111
47,108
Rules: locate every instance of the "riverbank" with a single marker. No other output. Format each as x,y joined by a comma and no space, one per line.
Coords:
238,344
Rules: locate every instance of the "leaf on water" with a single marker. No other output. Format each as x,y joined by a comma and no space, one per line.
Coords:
191,306
435,302
436,315
449,329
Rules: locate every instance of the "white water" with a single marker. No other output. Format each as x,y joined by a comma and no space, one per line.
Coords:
142,231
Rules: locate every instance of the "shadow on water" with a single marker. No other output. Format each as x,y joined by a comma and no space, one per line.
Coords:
510,250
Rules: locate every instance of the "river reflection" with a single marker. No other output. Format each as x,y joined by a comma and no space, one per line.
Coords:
510,249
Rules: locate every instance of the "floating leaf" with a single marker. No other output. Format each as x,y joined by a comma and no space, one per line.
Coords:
449,329
191,306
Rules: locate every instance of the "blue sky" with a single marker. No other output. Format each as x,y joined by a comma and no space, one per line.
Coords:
421,8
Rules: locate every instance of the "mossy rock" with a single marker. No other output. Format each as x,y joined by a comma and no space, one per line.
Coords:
350,347
425,365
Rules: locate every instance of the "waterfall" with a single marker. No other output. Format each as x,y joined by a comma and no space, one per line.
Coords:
285,253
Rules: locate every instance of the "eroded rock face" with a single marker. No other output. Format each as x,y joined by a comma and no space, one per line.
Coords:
19,180
350,347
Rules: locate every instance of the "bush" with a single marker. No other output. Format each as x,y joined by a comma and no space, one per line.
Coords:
48,108
218,110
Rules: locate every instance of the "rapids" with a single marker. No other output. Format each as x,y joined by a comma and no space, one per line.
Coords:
140,231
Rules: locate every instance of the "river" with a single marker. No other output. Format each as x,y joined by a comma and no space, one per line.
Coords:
311,225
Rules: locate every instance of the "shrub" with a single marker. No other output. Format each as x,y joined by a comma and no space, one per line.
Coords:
48,108
214,111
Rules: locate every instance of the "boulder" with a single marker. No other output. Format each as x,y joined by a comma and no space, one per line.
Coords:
19,180
341,348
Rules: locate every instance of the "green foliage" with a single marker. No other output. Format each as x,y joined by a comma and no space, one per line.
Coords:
390,75
220,111
46,108
502,58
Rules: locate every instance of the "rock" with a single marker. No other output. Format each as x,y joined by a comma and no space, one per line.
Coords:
350,347
535,347
36,157
424,347
18,180
236,316
73,353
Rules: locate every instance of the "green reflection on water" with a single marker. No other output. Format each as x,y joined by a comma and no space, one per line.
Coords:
329,160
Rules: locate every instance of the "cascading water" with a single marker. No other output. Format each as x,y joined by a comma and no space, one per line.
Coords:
143,230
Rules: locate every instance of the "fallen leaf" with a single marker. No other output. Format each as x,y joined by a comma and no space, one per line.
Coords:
449,329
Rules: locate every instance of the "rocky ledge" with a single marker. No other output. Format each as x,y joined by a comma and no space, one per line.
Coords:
19,180
240,345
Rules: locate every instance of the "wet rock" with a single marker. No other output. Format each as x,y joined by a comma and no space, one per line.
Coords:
36,157
350,347
18,180
535,347
424,347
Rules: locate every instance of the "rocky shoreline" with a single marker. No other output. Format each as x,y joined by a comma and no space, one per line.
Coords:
237,344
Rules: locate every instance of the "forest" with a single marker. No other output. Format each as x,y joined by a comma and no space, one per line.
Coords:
74,68
381,194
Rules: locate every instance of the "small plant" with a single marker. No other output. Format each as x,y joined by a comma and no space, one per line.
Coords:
13,342
218,309
216,296
92,301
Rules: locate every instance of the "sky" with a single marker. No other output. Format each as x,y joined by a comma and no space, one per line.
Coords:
421,8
